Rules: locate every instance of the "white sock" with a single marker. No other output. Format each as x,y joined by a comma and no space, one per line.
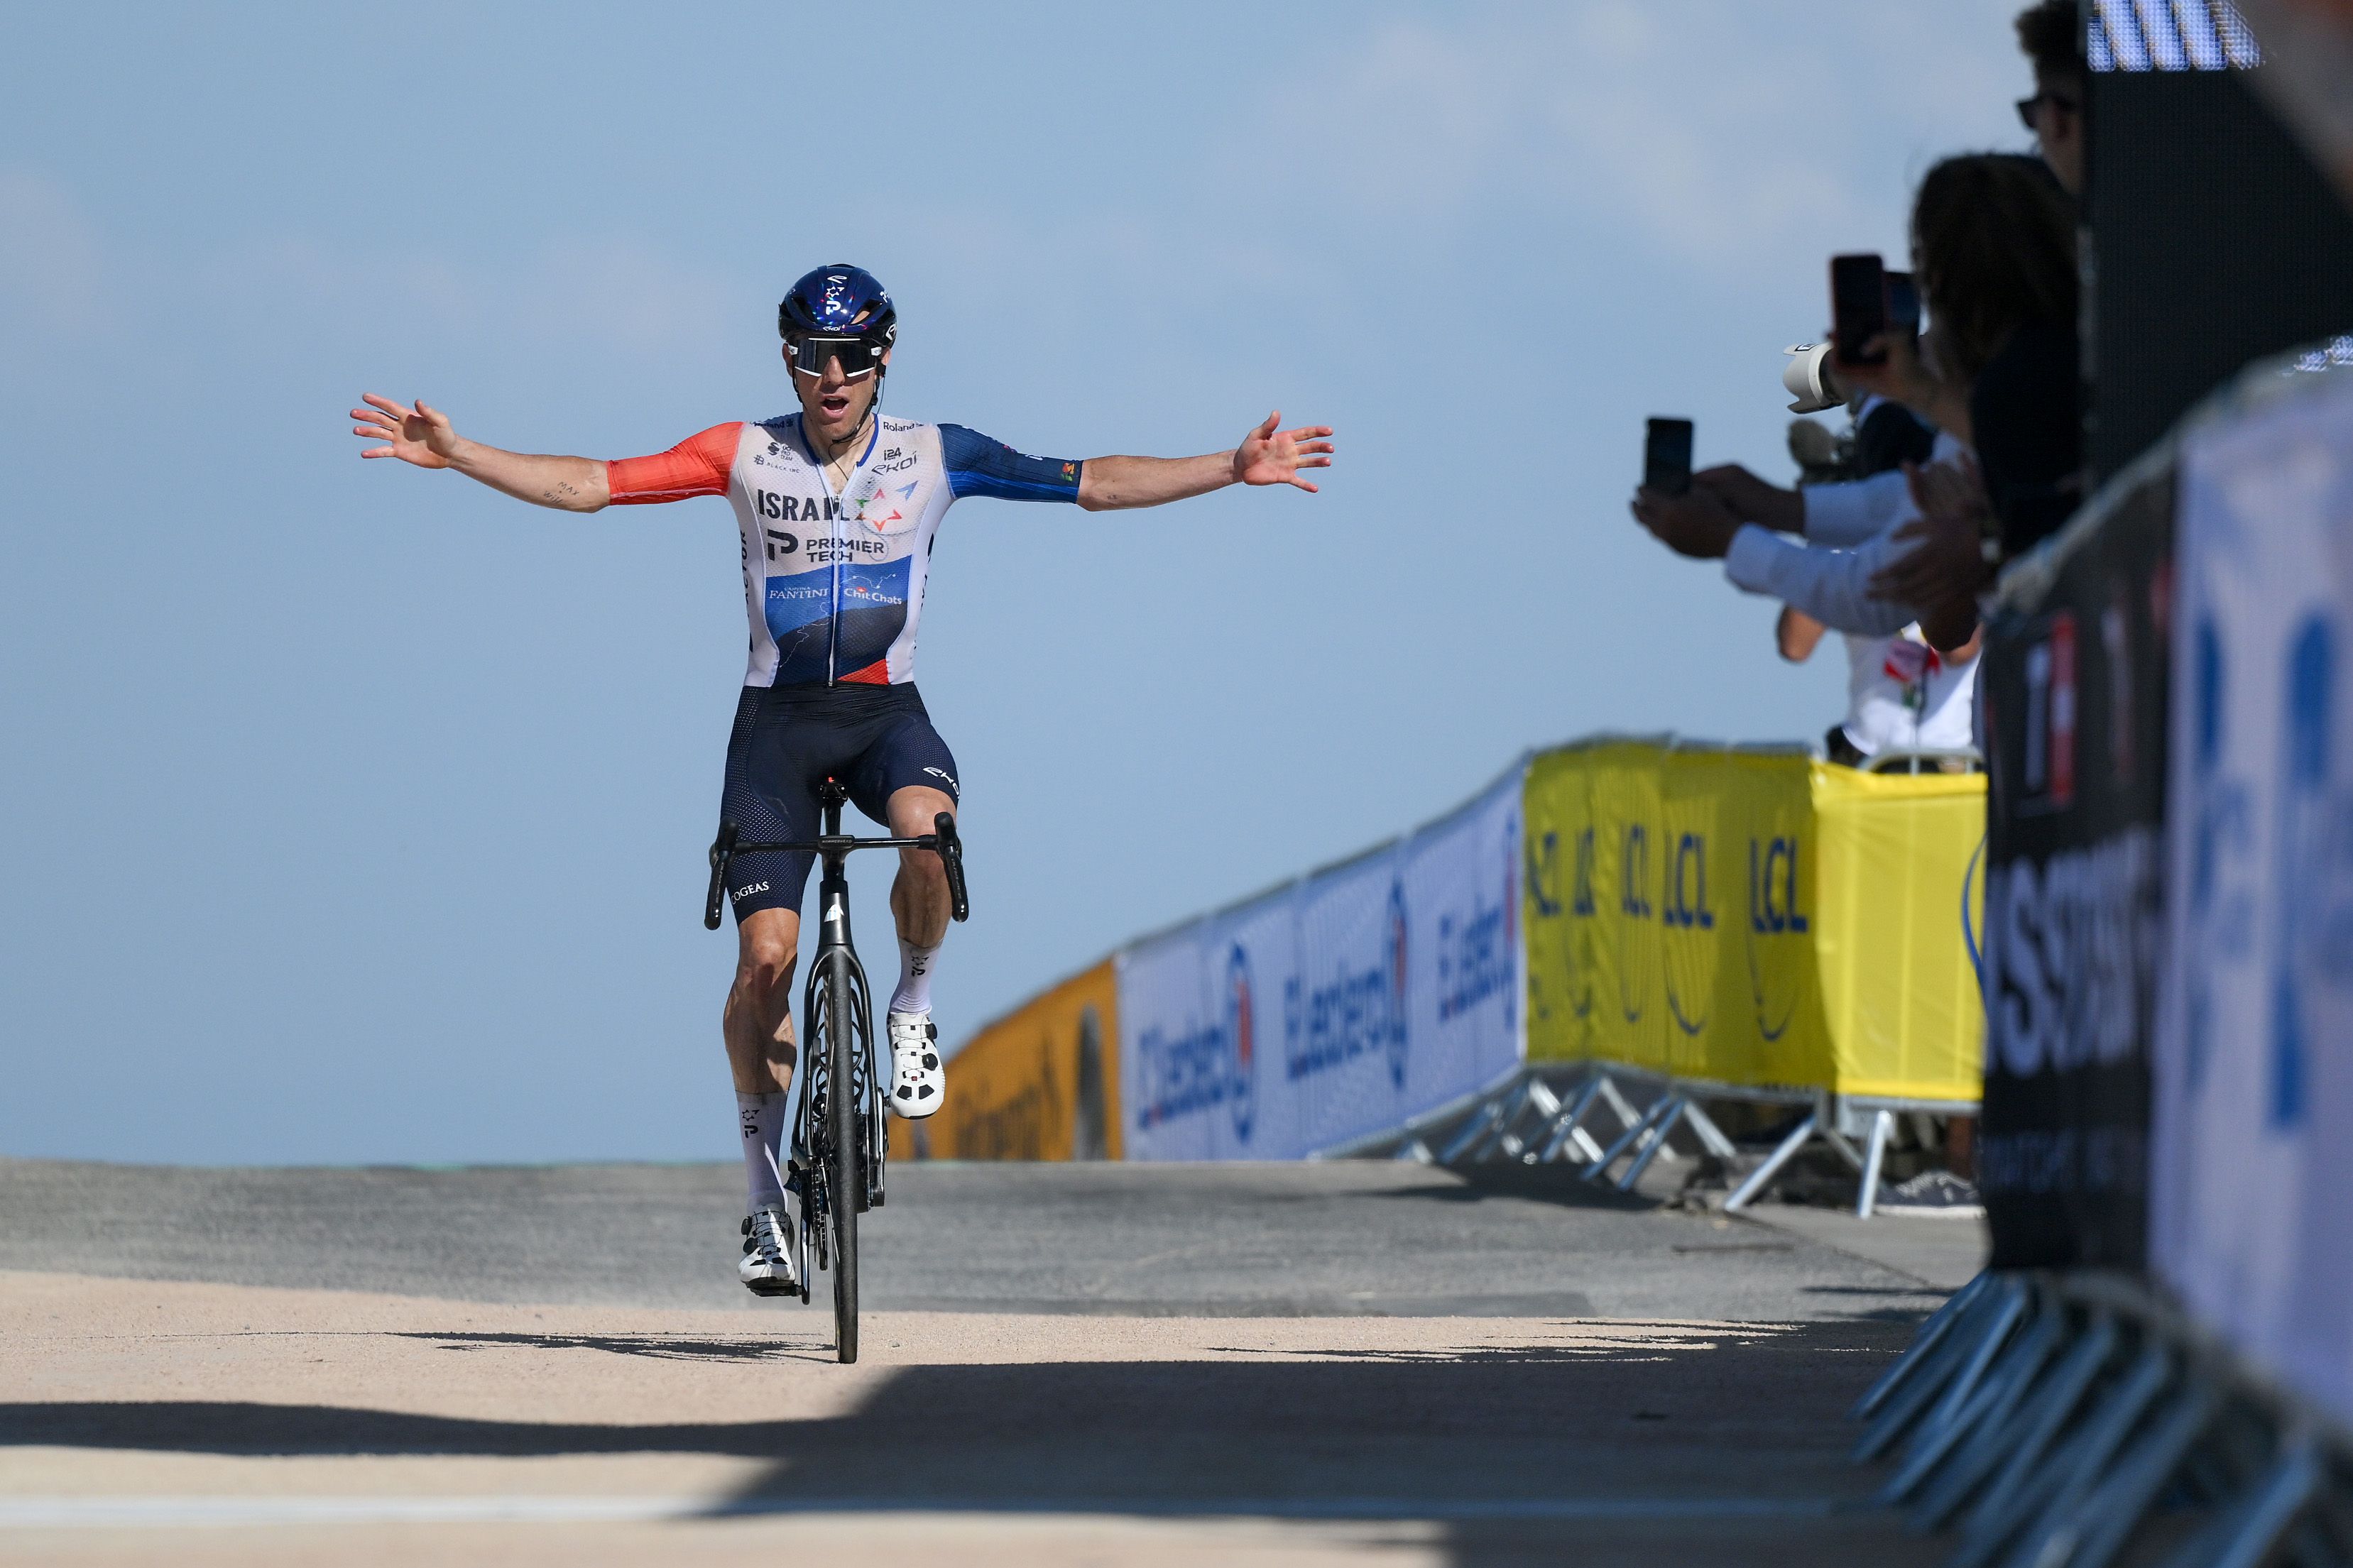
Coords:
760,1118
916,965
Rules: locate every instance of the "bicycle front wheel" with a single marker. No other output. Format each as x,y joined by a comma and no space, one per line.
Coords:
845,1177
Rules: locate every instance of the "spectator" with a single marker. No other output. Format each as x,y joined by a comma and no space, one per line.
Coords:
1993,238
2051,34
1901,694
1994,251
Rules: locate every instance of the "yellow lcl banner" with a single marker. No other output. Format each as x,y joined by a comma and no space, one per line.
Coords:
1039,1083
1754,919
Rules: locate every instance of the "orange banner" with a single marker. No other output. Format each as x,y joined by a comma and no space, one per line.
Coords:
1039,1083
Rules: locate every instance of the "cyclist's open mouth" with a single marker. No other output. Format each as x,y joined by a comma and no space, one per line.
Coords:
835,403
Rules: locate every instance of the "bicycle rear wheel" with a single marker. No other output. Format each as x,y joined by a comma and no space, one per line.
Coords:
845,1177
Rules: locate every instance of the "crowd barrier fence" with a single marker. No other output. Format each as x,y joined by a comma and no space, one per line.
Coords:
1334,1005
2188,1340
1567,967
1754,919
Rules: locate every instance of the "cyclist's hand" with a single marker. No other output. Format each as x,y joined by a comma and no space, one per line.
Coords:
1272,457
415,434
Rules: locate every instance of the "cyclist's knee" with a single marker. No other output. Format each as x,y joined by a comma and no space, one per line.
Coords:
923,866
768,948
911,808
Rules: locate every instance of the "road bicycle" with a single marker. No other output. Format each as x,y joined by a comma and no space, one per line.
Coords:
840,1136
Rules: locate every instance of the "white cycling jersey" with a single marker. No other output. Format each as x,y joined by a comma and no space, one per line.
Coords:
833,581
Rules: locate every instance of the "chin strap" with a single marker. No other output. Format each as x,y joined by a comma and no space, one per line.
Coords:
871,417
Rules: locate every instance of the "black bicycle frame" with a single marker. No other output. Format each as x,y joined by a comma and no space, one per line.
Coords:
814,1173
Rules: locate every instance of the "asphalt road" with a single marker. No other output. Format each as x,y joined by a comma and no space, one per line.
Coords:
1359,1363
1273,1240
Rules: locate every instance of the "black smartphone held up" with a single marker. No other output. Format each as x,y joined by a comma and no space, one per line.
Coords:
1666,457
1858,306
1904,303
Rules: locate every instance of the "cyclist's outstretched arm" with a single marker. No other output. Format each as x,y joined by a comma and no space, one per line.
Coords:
1266,457
422,435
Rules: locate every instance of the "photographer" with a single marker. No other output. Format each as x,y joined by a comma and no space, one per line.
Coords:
1993,240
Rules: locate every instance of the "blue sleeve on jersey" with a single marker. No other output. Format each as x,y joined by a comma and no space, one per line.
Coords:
979,467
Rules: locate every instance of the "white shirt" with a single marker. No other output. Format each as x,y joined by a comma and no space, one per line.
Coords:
1828,575
1903,696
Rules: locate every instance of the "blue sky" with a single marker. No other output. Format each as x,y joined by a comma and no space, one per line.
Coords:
355,813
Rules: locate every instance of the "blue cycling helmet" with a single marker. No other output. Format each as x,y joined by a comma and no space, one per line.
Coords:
842,311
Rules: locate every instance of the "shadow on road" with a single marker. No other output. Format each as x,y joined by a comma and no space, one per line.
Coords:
1735,1434
656,1347
1545,1183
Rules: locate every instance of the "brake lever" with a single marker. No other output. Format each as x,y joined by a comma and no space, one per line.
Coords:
950,851
722,848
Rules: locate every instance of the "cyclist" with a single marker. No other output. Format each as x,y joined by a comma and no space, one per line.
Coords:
837,507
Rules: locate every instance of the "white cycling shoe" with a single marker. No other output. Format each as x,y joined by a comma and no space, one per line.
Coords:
766,1266
919,1084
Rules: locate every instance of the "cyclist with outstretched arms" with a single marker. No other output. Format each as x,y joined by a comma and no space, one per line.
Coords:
837,507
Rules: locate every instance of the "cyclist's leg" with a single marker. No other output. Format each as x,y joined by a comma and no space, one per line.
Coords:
919,897
757,1020
758,1026
768,797
905,779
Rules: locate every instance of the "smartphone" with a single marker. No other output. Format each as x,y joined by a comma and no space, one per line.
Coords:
1666,457
1904,303
1858,306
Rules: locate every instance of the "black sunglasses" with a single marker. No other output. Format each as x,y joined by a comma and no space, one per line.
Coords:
858,356
2026,106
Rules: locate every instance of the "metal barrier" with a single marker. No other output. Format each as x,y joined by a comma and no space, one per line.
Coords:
1549,1113
2045,1418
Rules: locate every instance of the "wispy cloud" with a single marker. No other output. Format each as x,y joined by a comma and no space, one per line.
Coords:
1704,131
62,283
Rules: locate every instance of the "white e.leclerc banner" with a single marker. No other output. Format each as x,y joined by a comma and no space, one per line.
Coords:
2252,1152
1338,1005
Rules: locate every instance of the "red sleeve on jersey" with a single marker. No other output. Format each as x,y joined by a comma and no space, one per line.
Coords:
697,466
